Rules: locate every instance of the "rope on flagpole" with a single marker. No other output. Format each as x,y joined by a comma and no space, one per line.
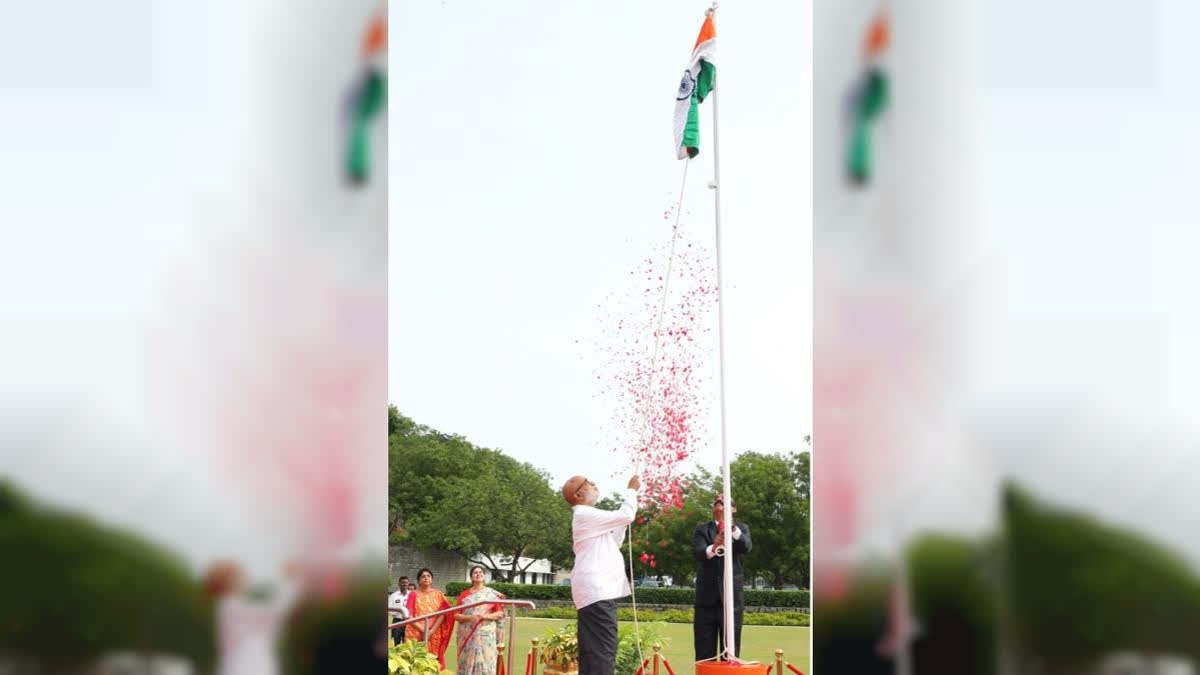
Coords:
637,637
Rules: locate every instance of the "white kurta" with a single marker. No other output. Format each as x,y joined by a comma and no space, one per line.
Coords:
599,572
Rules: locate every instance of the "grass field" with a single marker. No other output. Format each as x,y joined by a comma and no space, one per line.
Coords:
759,643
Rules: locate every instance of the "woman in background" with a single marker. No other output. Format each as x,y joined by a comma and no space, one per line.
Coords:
478,627
426,600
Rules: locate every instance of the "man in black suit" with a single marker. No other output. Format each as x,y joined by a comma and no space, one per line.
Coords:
707,544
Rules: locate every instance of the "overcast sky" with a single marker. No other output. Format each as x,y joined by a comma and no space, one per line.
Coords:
136,142
532,162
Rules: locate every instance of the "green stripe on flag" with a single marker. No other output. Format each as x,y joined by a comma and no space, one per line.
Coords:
370,102
704,84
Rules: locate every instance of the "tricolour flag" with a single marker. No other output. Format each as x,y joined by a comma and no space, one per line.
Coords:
693,88
367,100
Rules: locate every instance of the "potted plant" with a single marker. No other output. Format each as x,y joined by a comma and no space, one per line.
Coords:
412,658
560,651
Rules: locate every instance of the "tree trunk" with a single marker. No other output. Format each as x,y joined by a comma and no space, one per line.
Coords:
778,574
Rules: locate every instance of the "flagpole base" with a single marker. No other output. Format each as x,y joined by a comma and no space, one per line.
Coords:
731,668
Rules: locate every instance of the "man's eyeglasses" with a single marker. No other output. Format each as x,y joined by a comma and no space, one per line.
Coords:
585,484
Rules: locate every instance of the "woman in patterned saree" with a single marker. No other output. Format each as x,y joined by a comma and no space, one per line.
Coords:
426,600
478,627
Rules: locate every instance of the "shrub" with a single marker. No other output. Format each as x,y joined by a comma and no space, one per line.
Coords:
517,591
668,615
657,596
627,646
412,658
761,598
555,613
680,616
776,619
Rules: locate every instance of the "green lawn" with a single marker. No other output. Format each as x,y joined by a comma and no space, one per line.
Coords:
759,642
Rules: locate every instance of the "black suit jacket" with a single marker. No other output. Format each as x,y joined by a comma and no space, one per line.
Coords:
710,574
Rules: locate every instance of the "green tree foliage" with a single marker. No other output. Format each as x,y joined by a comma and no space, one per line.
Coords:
1078,588
667,533
444,492
338,632
105,588
954,584
771,492
447,493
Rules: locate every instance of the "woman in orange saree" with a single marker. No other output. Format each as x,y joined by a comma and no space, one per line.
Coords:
426,600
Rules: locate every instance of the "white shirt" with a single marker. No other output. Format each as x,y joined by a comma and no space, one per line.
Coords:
599,572
398,602
711,550
248,633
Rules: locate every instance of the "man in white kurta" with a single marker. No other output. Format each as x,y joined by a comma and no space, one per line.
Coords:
598,578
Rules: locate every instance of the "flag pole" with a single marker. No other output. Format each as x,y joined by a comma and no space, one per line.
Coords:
730,647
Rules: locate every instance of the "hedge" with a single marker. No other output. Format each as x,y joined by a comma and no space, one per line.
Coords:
651,596
680,616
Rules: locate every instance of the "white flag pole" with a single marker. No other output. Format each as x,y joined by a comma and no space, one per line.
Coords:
730,647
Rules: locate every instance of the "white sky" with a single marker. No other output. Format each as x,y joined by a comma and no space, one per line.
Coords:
1087,331
532,159
116,138
1070,254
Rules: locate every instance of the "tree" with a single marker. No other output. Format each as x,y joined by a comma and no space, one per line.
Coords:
418,458
666,533
952,585
1076,587
771,493
103,587
447,493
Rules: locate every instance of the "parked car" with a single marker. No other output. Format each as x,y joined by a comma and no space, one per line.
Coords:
646,582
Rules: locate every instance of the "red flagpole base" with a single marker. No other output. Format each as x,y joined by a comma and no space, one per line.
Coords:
730,668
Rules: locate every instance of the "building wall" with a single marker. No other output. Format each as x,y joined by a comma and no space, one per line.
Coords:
406,560
447,567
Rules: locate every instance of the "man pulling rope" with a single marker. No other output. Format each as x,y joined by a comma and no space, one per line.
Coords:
598,577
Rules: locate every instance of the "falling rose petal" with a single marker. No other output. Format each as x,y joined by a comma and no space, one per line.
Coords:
652,375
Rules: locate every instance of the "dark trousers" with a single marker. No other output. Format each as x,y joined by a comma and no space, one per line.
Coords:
708,628
596,631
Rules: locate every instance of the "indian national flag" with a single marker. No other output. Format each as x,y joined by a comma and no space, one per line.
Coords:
693,88
367,100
